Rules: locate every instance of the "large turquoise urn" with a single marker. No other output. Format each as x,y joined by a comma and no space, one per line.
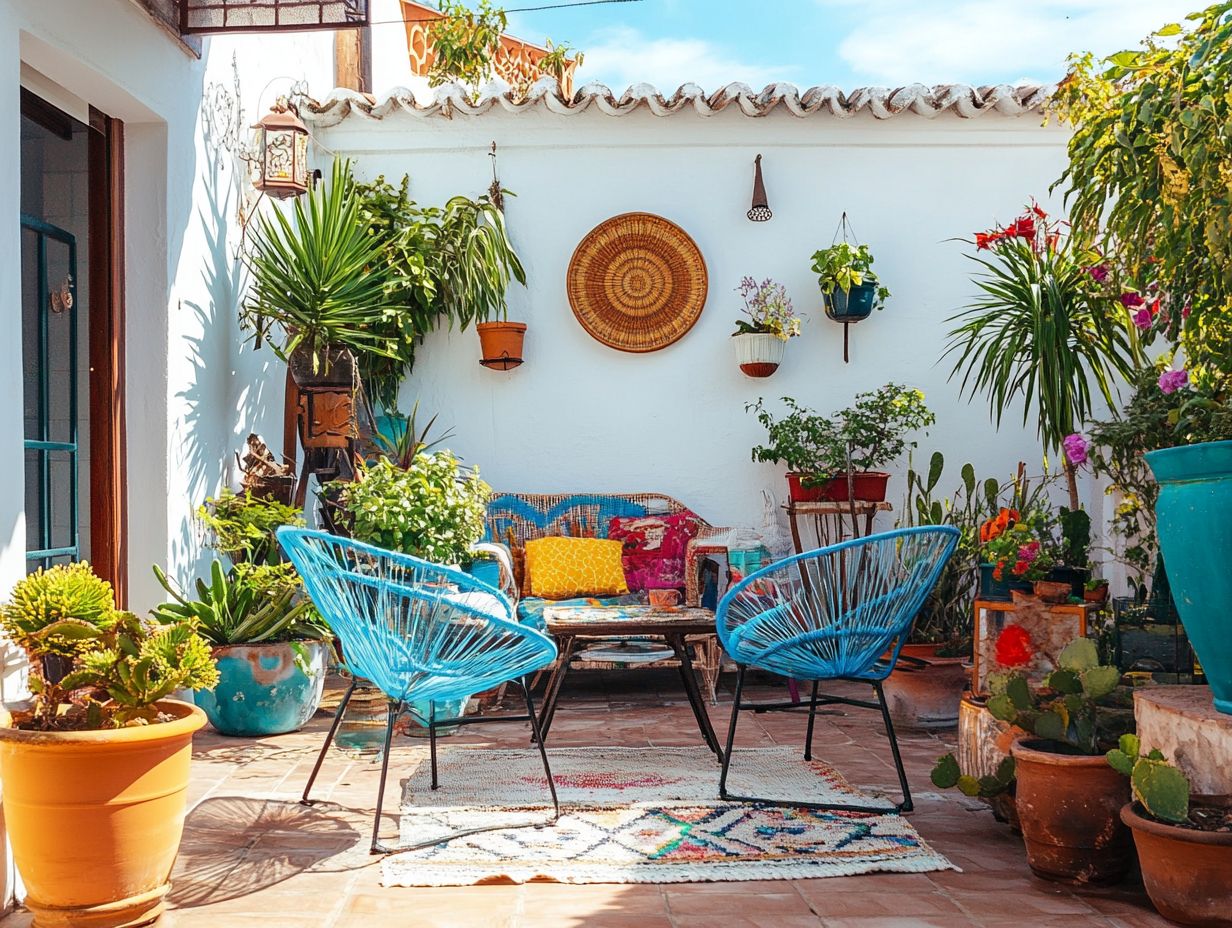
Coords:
265,689
1194,515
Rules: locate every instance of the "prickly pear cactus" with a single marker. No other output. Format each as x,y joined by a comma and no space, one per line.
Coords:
1161,788
947,775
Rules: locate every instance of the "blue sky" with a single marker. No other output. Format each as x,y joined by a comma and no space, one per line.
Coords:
848,43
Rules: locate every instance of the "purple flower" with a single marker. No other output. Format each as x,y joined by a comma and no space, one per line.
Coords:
1076,448
1098,272
1131,300
1143,318
1171,381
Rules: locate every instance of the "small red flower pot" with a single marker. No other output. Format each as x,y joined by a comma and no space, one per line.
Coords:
867,487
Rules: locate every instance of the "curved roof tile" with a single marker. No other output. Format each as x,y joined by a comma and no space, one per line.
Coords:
450,99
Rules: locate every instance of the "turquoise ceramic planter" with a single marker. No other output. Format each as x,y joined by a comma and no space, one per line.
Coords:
1194,515
851,305
265,689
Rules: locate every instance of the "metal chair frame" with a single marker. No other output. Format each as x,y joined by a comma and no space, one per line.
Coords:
296,542
870,670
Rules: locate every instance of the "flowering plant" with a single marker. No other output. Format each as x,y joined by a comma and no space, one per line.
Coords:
1017,547
769,310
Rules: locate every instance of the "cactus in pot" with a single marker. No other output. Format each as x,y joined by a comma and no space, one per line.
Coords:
1161,788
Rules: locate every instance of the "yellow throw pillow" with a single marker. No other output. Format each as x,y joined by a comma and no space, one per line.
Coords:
561,568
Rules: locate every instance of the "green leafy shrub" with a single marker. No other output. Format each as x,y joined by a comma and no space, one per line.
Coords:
431,509
118,666
243,526
873,430
1065,710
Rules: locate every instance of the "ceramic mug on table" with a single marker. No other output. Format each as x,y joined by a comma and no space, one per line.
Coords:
663,599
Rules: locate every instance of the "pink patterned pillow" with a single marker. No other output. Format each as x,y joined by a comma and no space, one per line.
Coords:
654,548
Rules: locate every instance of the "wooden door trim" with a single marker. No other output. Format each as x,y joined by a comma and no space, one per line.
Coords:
108,460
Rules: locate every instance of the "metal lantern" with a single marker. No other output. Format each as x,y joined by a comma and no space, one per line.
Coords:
280,147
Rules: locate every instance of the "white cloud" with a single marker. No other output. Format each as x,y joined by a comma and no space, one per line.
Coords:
981,41
623,56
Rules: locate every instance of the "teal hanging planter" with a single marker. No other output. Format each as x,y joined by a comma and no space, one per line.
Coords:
1194,521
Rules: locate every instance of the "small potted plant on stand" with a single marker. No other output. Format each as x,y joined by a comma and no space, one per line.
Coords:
324,284
1017,558
849,289
1068,798
95,771
833,457
761,339
1184,843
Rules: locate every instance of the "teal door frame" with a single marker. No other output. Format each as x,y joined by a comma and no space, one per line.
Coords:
43,445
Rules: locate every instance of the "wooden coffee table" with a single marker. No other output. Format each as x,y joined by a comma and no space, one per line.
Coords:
573,625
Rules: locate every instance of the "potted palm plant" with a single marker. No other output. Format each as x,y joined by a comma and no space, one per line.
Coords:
1067,797
1184,843
761,339
95,771
833,457
321,291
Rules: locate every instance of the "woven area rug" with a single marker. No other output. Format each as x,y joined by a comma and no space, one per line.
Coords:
641,815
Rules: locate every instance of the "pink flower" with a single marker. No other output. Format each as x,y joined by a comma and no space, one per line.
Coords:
1185,310
1171,381
1143,318
1131,300
1098,272
1076,449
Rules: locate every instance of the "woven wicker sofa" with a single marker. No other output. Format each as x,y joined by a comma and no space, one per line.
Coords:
516,518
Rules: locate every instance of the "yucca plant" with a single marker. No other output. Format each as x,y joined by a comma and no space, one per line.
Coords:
249,604
321,280
1042,331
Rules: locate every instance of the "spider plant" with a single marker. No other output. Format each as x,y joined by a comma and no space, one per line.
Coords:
1042,330
321,280
248,604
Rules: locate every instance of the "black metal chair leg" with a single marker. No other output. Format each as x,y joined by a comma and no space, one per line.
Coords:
329,739
432,742
543,753
395,710
898,758
808,737
731,731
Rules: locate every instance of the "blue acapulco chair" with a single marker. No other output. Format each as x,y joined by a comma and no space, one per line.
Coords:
836,613
419,632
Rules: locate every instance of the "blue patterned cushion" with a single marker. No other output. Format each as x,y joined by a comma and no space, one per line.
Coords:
530,609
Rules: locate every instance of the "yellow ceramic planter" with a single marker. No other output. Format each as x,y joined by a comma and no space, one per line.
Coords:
95,817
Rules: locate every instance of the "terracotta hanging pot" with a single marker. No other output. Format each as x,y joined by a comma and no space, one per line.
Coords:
501,344
759,354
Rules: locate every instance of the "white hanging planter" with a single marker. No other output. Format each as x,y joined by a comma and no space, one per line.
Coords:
758,353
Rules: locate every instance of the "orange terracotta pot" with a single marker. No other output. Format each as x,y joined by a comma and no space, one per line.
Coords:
95,817
1069,806
1187,873
501,344
925,692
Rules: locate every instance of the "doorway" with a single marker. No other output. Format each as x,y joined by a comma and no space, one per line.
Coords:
72,344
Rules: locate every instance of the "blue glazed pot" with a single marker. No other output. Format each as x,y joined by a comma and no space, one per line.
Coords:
1194,516
486,571
851,305
999,590
265,689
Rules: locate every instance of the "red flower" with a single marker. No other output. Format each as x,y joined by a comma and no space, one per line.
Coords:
1022,227
1035,208
1014,647
985,240
1131,300
1021,567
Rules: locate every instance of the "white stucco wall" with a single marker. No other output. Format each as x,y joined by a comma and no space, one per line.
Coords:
581,416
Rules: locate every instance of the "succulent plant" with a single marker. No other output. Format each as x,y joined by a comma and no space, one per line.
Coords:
1161,788
1065,709
947,775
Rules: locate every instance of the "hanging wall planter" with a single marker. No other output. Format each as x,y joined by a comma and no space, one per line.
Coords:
761,338
501,344
849,289
757,353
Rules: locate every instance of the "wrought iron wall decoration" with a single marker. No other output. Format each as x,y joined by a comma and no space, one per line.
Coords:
637,282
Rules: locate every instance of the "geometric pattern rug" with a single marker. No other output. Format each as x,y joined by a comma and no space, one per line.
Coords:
641,815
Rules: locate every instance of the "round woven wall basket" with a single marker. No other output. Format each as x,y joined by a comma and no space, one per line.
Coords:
637,282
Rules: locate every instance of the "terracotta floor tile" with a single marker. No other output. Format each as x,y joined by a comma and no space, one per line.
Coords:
253,857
